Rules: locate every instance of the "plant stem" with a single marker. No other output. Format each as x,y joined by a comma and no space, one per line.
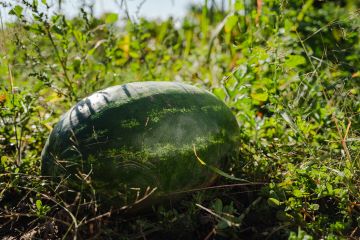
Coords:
68,84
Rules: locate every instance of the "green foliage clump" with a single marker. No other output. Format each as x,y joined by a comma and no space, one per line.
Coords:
287,69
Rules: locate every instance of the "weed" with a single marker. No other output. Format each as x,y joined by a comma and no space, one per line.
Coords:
287,69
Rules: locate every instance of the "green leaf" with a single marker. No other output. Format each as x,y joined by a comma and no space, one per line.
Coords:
230,23
315,207
260,54
35,4
241,72
239,5
298,193
294,60
57,30
283,216
77,64
38,204
4,160
259,93
220,93
222,225
218,205
273,202
329,188
111,18
17,11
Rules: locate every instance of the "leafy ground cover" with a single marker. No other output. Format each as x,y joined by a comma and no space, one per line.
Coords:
289,70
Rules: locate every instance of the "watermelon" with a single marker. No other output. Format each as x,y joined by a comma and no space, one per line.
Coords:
129,139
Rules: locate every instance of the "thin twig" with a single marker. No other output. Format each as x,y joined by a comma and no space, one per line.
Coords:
12,215
107,214
210,234
230,223
219,187
343,138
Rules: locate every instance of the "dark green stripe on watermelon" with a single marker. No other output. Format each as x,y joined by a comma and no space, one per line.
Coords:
142,134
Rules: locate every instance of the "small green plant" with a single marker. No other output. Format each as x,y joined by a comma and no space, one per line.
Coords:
41,210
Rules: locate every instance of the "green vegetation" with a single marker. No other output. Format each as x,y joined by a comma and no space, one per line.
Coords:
162,151
289,70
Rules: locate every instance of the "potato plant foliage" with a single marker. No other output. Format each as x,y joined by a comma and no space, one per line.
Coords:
289,71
